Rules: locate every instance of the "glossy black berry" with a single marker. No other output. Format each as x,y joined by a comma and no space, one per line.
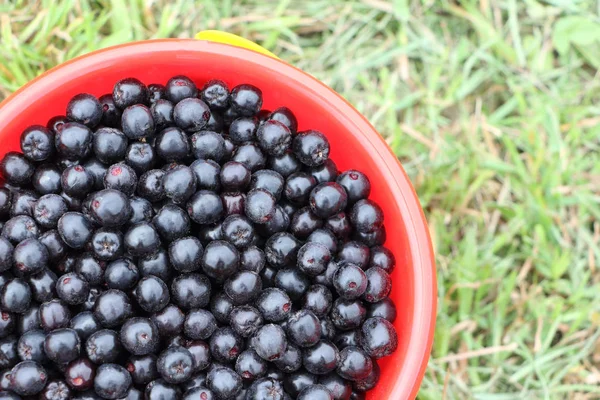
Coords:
112,381
179,183
347,314
185,254
224,382
269,342
238,231
48,209
190,291
356,184
46,179
171,222
20,228
109,145
8,352
56,124
325,237
371,239
315,392
31,346
80,373
121,274
4,202
313,258
327,172
85,324
259,206
321,358
16,169
97,169
285,164
151,293
74,142
207,174
298,187
370,381
15,296
293,282
7,324
311,148
150,185
245,320
28,378
385,309
205,207
252,259
6,254
318,299
354,364
111,114
129,91
85,109
250,366
243,287
225,345
200,351
250,155
215,93
304,222
43,285
54,314
339,387
107,245
30,256
110,208
169,321
303,328
141,239
175,364
191,114
62,345
76,181
234,176
180,87
139,336
161,390
121,177
220,260
23,202
243,130
103,346
172,144
112,308
142,210
37,143
162,114
366,216
274,138
141,157
379,337
295,382
349,281
56,390
285,116
156,264
199,324
142,368
355,253
156,92
72,288
274,304
328,199
221,306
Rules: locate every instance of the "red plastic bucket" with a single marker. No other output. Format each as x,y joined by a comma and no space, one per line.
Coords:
354,144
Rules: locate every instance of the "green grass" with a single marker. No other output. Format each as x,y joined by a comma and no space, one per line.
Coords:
493,108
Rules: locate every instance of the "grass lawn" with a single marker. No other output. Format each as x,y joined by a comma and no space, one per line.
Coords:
493,108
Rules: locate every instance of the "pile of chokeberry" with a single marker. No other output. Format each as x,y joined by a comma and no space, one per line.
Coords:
165,242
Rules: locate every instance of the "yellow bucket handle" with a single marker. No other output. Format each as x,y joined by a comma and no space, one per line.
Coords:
234,40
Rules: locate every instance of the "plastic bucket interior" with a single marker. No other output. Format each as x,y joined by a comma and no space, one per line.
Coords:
354,144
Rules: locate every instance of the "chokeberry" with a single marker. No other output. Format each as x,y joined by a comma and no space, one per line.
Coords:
37,143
